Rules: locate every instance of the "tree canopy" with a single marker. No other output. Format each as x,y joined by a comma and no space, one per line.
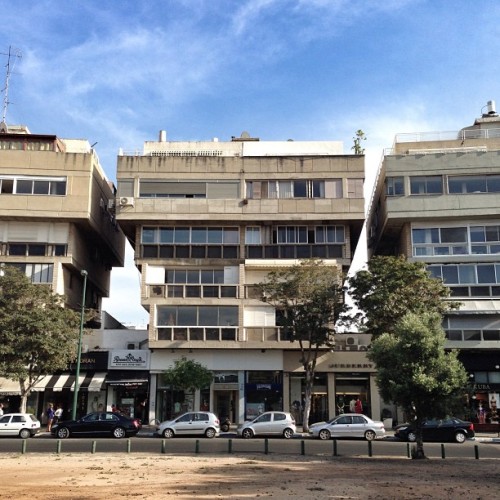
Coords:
188,375
309,300
391,287
37,334
416,373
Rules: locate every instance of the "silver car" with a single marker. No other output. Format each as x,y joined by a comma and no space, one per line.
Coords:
348,425
24,425
194,422
270,423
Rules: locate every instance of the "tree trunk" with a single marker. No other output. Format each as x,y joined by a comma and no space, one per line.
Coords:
419,449
307,399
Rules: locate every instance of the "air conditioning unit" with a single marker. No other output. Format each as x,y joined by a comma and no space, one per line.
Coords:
351,341
126,201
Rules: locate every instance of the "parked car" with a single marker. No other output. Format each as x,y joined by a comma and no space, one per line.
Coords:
24,425
192,423
104,424
448,429
270,423
348,425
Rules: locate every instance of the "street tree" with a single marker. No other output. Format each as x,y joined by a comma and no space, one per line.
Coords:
416,373
188,375
309,299
390,287
38,334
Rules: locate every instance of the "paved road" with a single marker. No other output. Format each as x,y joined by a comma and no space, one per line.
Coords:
227,443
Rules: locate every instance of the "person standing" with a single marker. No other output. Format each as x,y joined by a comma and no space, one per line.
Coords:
1,409
50,416
358,406
57,415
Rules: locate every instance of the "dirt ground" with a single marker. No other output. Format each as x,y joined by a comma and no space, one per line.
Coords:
82,477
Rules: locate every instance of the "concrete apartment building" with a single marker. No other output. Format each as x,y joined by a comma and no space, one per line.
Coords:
55,222
437,201
207,221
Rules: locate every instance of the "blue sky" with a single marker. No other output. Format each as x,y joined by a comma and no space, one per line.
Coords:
118,71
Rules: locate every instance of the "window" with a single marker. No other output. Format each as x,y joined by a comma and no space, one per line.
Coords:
298,188
355,188
189,189
330,234
292,234
51,186
456,240
191,235
474,184
426,185
252,236
394,186
197,316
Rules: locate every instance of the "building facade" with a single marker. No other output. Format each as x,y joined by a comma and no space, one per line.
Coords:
55,219
208,220
437,201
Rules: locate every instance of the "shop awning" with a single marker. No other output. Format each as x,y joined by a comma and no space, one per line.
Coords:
94,382
42,383
126,377
9,387
56,383
70,382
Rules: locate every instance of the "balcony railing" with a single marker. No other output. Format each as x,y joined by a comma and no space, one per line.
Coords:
479,133
193,291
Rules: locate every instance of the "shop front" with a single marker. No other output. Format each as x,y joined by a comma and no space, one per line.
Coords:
127,382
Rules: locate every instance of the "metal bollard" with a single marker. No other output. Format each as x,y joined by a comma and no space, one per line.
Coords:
23,447
370,450
476,451
94,445
443,454
58,446
163,449
197,446
335,454
229,445
266,446
408,452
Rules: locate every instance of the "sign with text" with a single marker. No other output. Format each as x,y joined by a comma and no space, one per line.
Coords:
130,359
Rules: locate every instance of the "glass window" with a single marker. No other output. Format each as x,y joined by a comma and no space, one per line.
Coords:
24,187
453,235
467,274
166,235
318,189
493,183
426,185
208,316
450,274
252,236
486,273
214,235
181,235
186,316
148,235
430,235
395,186
41,187
231,235
199,235
300,189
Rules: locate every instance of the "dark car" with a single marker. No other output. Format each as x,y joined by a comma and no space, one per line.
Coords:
104,424
448,429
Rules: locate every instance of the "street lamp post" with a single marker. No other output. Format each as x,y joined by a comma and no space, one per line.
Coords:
79,351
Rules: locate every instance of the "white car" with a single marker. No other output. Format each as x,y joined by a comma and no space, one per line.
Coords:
270,423
348,425
24,425
191,423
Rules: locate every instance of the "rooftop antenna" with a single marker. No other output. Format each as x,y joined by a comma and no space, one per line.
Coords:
12,57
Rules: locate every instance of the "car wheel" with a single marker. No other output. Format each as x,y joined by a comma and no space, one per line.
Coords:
412,437
224,427
210,433
324,434
460,437
119,433
370,435
24,433
247,433
62,433
168,433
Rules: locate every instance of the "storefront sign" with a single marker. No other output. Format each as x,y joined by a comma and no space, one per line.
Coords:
132,359
350,365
